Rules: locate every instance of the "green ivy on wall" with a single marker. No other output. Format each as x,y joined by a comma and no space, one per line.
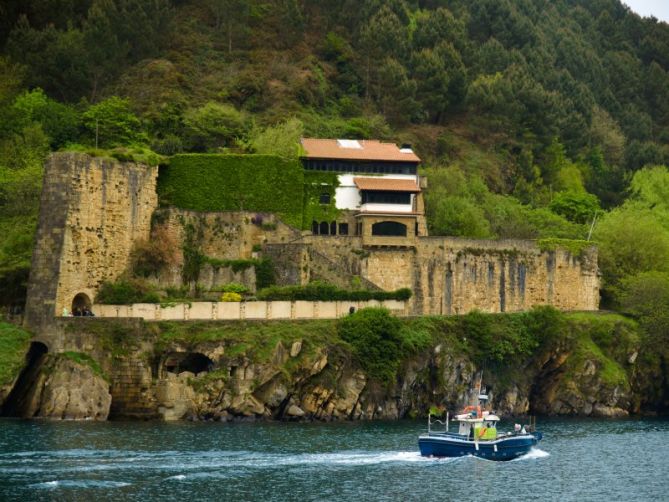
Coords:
263,183
212,182
317,183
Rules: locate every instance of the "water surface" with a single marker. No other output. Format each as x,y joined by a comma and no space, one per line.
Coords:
577,460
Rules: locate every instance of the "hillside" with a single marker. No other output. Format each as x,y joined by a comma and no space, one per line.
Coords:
532,117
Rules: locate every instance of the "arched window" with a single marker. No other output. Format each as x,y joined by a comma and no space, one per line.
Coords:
333,228
389,228
324,228
314,227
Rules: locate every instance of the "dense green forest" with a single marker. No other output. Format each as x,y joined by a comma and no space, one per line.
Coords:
535,118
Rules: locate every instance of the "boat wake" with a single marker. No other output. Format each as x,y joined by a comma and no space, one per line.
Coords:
533,454
79,483
176,465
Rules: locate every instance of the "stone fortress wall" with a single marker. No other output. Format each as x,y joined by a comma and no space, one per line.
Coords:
454,276
94,210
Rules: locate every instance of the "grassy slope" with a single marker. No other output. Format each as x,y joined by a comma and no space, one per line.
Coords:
14,344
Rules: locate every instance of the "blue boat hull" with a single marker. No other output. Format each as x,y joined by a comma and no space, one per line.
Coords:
455,445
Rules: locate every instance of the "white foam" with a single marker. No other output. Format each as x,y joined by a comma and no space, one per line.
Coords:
534,453
80,483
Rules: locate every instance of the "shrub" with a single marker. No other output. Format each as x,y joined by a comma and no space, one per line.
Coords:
234,287
319,291
264,273
502,339
125,292
375,337
149,257
231,296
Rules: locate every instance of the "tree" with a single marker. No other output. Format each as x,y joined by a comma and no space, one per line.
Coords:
230,15
646,295
106,50
649,188
458,216
384,38
376,339
395,92
606,133
437,26
55,61
282,139
631,240
112,123
432,83
578,207
60,122
214,125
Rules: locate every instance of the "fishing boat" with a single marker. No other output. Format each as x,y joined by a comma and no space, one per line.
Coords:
477,435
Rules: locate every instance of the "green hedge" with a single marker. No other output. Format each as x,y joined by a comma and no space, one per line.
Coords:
575,246
328,292
211,182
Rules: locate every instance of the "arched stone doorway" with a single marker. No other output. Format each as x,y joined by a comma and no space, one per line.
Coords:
81,304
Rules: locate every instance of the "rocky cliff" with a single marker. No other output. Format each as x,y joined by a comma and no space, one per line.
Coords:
582,364
59,387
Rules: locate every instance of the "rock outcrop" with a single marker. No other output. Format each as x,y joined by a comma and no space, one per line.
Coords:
238,371
323,386
65,389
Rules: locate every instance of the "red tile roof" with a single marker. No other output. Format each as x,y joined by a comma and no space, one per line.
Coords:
364,149
386,185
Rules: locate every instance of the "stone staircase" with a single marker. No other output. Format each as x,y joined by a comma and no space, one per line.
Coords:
327,270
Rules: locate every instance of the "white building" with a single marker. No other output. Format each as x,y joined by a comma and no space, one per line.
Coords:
378,184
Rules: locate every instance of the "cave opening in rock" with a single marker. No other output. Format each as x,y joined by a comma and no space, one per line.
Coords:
194,362
16,403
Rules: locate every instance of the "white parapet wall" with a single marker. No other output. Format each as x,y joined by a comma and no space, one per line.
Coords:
229,311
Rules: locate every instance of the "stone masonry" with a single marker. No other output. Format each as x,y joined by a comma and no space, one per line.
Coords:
93,211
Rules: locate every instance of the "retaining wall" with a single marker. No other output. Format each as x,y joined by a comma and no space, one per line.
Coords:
243,310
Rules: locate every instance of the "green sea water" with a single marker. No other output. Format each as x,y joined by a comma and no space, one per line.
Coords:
577,460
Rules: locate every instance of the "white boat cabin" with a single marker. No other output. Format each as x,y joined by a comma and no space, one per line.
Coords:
481,427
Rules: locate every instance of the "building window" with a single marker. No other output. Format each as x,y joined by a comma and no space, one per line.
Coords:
314,227
343,229
386,197
389,228
333,228
324,228
324,198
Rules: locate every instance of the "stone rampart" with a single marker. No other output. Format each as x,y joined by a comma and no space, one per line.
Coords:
93,211
453,276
